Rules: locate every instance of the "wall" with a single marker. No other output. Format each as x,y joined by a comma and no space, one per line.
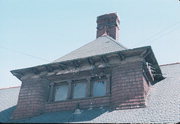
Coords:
71,104
127,86
32,98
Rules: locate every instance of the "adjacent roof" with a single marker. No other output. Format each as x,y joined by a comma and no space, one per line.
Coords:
163,105
101,45
8,99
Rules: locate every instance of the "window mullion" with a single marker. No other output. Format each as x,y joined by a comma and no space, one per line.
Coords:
108,85
69,89
50,99
88,89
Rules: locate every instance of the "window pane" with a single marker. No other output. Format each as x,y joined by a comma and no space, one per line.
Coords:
61,92
79,90
99,88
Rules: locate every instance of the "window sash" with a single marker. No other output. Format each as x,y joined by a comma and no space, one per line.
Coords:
61,92
79,90
92,87
99,88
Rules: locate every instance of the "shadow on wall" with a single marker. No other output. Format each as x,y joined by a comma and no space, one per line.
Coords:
6,114
54,117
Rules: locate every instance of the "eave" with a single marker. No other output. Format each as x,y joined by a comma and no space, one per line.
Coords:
144,52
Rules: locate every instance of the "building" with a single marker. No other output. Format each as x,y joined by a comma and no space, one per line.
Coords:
101,81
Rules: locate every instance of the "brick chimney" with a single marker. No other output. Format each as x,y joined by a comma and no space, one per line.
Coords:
108,24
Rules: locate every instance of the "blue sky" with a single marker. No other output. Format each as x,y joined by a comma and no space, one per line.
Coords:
35,32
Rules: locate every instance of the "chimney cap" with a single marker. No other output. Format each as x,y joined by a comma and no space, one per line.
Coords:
105,16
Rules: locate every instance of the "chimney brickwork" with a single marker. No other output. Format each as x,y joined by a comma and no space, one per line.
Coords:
108,24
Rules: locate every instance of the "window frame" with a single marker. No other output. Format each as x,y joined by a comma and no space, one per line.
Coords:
89,81
104,79
76,82
54,90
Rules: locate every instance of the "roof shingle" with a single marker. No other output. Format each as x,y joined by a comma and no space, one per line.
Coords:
101,45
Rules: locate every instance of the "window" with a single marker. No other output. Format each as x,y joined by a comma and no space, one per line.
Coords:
99,88
91,87
79,90
61,92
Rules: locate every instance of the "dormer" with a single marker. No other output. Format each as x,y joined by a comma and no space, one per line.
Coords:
98,74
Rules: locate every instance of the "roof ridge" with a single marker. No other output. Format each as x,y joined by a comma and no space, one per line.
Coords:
170,64
114,41
9,87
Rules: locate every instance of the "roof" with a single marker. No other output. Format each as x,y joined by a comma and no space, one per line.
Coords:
163,105
101,45
99,48
145,52
8,99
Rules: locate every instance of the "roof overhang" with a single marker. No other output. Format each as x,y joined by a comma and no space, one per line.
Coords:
145,52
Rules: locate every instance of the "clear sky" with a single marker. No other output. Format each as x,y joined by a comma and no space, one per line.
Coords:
35,32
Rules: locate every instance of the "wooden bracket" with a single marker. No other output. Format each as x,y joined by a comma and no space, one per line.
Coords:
104,59
48,68
76,63
145,53
90,61
35,71
121,56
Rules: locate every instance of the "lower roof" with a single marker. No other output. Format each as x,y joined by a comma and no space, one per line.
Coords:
163,105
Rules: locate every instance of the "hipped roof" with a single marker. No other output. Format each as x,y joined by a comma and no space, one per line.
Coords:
99,46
